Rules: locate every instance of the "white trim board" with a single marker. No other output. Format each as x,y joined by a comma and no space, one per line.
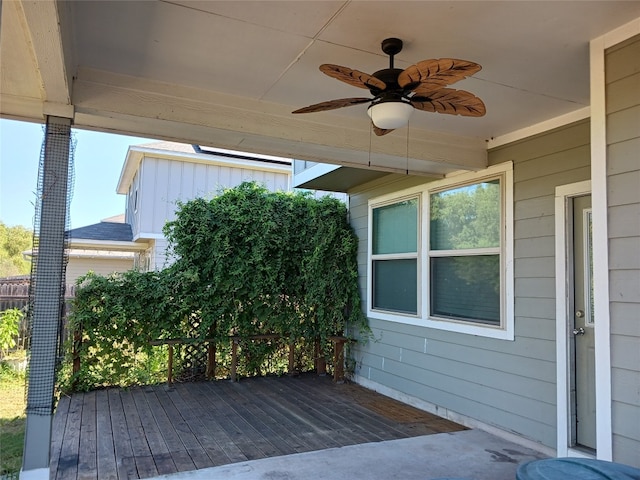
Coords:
604,436
604,430
556,122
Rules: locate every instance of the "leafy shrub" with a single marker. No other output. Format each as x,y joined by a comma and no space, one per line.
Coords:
9,329
247,262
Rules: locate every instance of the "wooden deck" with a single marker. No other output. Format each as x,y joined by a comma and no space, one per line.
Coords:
147,431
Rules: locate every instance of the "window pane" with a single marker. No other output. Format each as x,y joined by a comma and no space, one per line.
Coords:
395,228
395,285
466,217
466,288
588,235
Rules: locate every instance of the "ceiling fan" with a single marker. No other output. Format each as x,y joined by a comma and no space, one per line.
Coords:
397,93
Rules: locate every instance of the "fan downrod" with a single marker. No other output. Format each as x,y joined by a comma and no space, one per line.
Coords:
391,46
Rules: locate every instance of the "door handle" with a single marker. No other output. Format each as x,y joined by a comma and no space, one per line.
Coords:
579,314
578,331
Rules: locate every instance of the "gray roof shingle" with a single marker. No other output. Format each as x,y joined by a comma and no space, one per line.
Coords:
107,231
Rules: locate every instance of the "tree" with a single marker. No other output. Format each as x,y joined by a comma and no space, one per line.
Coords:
14,241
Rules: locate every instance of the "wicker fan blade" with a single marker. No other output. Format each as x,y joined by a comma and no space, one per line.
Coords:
381,131
333,104
450,101
438,72
426,90
352,77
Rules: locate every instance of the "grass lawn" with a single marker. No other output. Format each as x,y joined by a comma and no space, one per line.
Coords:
12,421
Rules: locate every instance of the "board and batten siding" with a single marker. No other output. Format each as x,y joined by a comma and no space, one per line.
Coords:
165,182
159,255
507,384
622,64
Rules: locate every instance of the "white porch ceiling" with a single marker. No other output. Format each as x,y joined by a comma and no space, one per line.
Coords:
228,73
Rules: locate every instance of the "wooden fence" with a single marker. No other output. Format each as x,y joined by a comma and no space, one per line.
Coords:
14,293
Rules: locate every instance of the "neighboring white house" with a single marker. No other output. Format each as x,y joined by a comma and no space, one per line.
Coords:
154,177
504,298
103,248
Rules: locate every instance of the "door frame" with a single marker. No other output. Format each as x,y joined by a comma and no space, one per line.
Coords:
564,321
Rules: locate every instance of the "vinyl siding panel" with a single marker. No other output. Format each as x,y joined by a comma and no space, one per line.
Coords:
624,156
535,208
625,310
546,185
624,223
623,125
533,227
81,266
535,267
159,255
623,190
508,384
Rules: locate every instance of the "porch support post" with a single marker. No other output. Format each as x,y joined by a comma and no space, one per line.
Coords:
292,356
48,298
234,359
211,360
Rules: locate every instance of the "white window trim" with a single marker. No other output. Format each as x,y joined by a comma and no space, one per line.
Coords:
506,330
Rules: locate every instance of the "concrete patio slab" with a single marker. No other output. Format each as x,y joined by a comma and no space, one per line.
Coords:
470,454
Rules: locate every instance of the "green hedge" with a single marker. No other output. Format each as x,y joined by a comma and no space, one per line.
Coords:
246,262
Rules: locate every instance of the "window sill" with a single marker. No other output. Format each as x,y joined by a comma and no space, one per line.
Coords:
447,325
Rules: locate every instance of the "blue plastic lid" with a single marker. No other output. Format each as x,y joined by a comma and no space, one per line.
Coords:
575,468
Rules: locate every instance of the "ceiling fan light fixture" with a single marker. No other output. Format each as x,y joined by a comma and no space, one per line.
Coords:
397,93
391,114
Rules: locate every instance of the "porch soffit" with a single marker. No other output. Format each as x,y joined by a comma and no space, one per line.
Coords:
228,75
106,101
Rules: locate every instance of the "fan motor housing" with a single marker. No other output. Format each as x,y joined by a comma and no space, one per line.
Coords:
390,77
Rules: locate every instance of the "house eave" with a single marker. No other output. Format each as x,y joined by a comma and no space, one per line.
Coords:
334,178
108,245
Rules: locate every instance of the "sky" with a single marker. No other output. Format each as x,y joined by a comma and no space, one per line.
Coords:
98,161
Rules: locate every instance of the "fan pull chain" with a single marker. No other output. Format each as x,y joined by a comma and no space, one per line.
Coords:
370,130
407,148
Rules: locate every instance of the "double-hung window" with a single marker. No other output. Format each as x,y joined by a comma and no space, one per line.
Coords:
441,256
464,252
394,256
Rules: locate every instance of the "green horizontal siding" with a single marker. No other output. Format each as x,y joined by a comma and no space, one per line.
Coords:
622,64
509,384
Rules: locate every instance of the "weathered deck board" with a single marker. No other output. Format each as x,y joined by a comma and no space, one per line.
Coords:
157,447
125,462
69,452
145,465
221,448
57,432
174,445
87,459
147,431
105,453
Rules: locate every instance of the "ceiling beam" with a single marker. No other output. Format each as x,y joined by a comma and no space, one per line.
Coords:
45,21
113,102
